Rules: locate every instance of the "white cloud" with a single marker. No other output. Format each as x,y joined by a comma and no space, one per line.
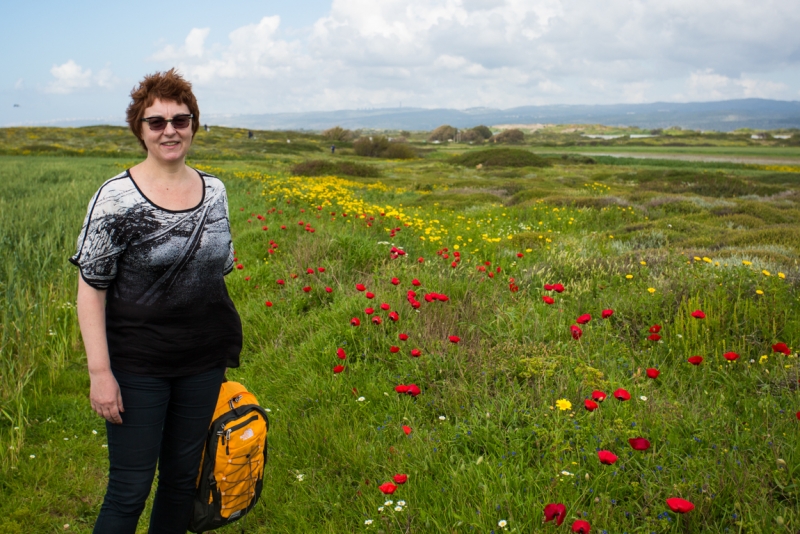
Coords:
70,77
503,53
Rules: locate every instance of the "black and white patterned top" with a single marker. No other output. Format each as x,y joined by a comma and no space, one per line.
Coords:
168,312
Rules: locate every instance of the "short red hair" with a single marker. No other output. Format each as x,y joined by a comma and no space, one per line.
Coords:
168,86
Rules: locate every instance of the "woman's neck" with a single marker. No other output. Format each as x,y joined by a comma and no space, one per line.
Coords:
166,171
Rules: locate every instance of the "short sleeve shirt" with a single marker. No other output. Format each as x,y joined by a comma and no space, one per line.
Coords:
168,312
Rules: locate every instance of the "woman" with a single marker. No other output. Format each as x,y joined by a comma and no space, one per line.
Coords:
157,322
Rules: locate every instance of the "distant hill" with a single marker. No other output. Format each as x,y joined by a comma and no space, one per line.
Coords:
724,116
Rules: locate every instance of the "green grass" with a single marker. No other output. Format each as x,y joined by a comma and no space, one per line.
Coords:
724,434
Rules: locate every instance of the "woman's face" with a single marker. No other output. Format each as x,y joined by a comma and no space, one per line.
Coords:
169,144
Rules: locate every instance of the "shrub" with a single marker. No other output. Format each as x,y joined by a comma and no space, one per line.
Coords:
337,133
322,167
399,151
509,136
443,133
380,147
500,157
483,131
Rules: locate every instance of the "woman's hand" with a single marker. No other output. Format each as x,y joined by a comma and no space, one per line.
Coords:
105,396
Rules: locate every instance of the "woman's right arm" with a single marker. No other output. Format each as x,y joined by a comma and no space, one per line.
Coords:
104,392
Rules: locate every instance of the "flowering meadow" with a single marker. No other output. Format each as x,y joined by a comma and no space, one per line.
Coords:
580,348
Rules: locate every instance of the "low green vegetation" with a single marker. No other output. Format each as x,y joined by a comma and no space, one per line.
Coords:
499,428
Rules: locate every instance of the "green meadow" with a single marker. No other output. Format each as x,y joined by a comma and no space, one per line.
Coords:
500,427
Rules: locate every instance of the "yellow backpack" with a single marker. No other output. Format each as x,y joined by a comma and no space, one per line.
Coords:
232,469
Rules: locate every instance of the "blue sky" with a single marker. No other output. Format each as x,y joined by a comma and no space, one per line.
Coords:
79,59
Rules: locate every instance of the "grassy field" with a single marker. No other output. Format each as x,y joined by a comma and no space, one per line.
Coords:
500,428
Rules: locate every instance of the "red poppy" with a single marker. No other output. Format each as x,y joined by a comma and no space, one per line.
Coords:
558,288
402,336
798,416
240,266
394,349
246,278
548,300
653,337
730,356
416,353
394,316
400,479
307,289
321,269
583,319
454,339
376,320
338,369
576,331
369,311
655,329
698,314
695,360
605,314
309,271
520,254
361,287
454,264
421,259
581,526
555,511
411,294
653,373
416,282
598,395
387,488
607,457
429,297
548,287
639,444
329,289
369,295
268,304
415,304
283,227
622,395
340,353
395,281
385,307
401,388
414,390
781,347
680,506
441,297
355,322
407,429
590,405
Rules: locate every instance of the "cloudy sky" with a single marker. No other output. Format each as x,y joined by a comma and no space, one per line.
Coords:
79,59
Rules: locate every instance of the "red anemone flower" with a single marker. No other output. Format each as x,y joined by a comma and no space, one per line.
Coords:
520,254
605,314
680,506
402,336
329,289
555,511
280,282
309,271
321,269
307,289
581,526
653,337
355,322
576,331
598,395
590,405
607,457
376,320
369,295
369,311
338,369
622,395
385,307
639,444
240,266
583,319
695,360
548,300
401,388
394,349
421,259
268,304
655,329
558,288
548,287
653,373
781,347
416,353
414,390
394,316
387,488
698,314
416,282
400,479
340,353
395,281
730,356
361,287
454,339
407,429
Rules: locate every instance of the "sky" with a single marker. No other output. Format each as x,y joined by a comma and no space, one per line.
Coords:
79,59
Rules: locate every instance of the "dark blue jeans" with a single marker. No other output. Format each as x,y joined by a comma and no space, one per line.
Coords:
165,421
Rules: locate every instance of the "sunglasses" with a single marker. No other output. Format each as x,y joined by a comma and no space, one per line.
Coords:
179,122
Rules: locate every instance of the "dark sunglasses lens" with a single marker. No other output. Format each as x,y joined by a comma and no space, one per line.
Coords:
157,124
181,121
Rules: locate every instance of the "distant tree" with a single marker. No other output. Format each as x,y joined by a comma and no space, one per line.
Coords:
380,147
513,135
337,133
405,133
484,131
470,136
443,133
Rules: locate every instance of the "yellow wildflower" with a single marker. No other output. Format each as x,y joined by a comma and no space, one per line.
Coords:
563,404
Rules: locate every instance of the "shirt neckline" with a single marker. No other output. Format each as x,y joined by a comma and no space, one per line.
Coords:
202,199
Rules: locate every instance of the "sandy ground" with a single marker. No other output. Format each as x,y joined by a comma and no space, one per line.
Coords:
756,160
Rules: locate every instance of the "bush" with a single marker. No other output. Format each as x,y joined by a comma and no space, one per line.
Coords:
500,157
443,133
509,136
337,133
322,167
483,131
399,151
380,147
